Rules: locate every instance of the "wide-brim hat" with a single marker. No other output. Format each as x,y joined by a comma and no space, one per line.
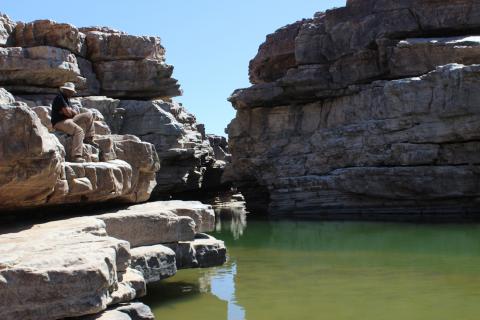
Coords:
70,86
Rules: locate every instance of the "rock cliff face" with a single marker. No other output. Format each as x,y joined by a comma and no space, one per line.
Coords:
368,109
125,81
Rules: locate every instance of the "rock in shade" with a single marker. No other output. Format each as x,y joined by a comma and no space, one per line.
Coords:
203,252
154,262
376,116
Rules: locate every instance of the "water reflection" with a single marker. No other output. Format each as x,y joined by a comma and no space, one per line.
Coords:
232,217
332,271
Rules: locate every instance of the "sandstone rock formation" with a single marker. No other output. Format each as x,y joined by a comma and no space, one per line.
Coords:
36,173
136,109
75,268
371,108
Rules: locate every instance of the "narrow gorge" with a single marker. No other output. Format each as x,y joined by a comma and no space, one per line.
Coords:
369,111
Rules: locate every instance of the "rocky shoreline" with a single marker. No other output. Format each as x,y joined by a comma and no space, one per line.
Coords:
370,111
99,264
76,264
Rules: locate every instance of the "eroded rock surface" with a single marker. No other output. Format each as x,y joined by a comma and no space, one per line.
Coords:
93,267
36,172
366,109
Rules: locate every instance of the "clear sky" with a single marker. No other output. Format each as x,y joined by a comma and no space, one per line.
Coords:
210,42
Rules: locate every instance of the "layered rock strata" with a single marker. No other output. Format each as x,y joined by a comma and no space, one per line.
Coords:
123,76
36,172
367,109
84,266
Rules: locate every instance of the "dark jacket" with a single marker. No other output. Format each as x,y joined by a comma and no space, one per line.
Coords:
58,104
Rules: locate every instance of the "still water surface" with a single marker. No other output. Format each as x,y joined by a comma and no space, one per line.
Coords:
331,270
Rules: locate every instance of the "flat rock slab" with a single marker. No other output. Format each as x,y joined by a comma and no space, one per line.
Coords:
154,262
204,252
63,269
144,228
202,214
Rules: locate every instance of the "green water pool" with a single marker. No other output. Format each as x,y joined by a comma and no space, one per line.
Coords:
331,270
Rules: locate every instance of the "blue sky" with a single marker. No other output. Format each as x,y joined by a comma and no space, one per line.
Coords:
210,42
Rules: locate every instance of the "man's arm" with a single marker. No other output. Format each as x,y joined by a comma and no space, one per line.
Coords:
68,112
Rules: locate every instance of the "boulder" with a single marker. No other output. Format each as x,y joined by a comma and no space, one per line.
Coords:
30,158
112,46
72,266
7,27
202,214
154,262
39,69
203,252
50,33
130,79
148,227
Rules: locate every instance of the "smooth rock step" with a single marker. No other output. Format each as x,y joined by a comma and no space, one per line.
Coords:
63,269
148,228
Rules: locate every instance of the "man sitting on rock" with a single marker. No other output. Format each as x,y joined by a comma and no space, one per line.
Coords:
66,119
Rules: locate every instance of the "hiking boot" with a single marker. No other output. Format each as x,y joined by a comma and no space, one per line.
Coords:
78,159
90,141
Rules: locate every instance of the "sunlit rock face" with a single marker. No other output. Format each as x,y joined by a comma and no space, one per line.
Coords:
378,114
125,82
93,267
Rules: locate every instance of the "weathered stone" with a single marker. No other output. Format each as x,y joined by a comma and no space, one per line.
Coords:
302,142
38,69
30,158
154,262
203,252
6,97
108,108
124,311
148,227
276,55
44,114
183,152
220,147
136,311
50,33
6,30
109,46
135,280
72,266
143,79
202,214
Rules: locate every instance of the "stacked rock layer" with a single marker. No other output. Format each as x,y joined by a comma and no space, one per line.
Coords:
125,81
368,109
93,267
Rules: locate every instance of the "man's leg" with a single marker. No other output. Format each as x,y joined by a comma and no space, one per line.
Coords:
85,120
71,128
